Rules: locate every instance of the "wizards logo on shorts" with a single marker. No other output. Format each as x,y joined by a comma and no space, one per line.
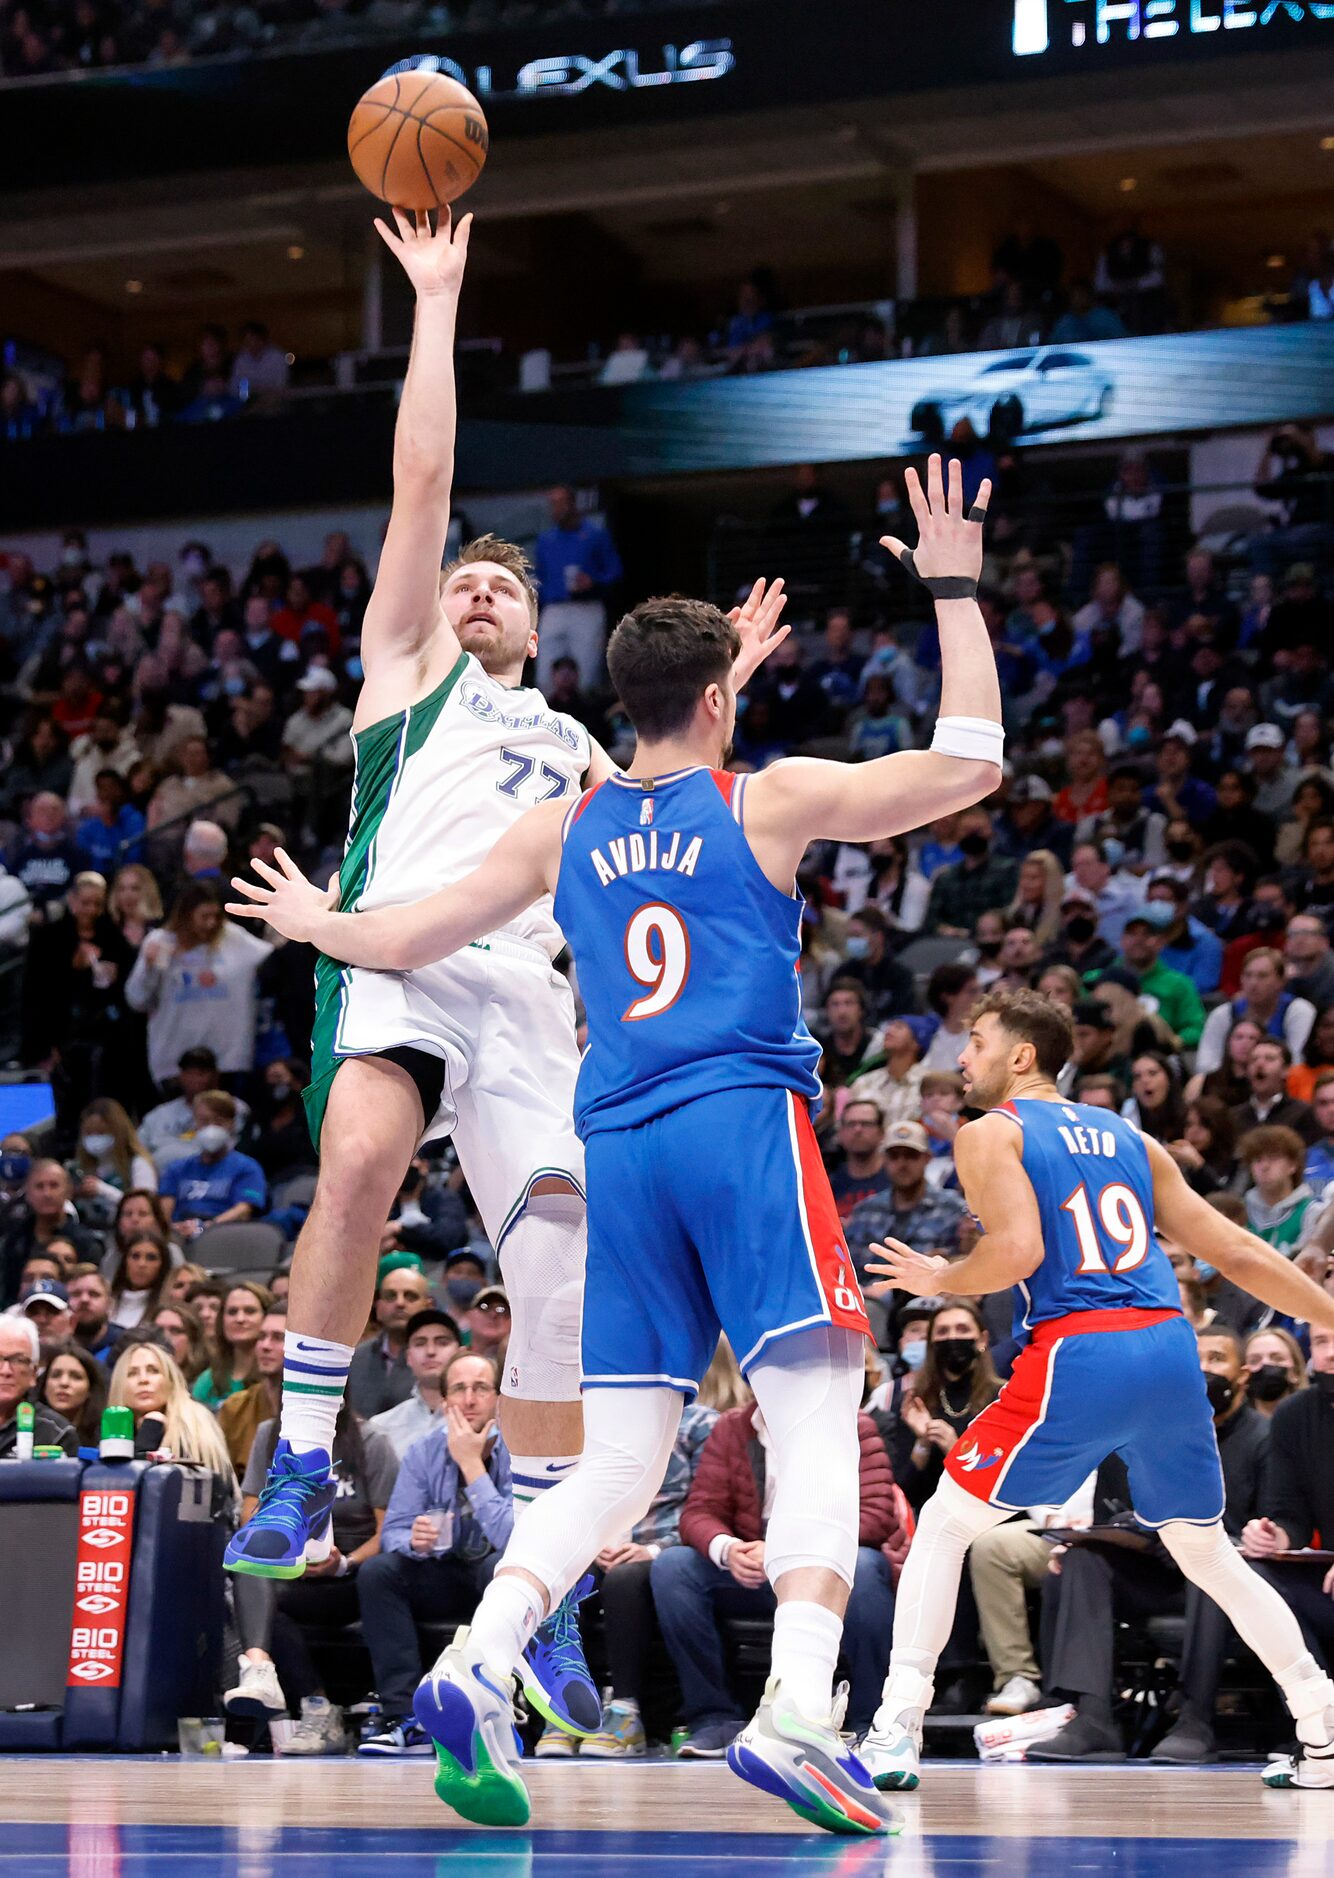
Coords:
972,1460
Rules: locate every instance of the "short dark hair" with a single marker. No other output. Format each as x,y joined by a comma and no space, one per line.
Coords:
853,985
1224,1333
946,982
663,656
1275,1043
1033,1019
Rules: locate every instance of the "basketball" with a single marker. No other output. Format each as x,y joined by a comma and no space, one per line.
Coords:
417,138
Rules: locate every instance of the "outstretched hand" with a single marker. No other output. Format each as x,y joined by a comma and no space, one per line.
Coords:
758,628
432,259
949,545
902,1269
289,902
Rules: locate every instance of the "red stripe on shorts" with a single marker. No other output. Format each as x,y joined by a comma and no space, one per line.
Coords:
980,1456
833,1262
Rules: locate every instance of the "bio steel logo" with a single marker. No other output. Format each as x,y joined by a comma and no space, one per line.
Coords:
626,69
1039,23
101,1588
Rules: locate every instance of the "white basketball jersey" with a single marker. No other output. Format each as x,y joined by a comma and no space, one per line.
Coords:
438,784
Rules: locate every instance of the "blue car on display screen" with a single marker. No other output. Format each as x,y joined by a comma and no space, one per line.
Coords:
1038,389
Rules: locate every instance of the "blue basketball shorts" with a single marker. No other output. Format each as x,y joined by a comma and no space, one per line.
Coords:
717,1215
1092,1384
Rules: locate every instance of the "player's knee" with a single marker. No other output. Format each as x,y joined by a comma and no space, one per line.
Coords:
1197,1548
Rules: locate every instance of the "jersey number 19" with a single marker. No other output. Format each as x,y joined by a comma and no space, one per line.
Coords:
1121,1217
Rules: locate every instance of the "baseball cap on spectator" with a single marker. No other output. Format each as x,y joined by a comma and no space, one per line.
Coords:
272,830
907,1135
1155,913
490,1294
1265,737
318,678
915,1307
1093,1015
423,1319
1183,732
1123,976
1030,789
396,1262
49,1293
462,1252
923,1028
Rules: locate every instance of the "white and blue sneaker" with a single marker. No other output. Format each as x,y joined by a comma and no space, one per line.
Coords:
892,1755
397,1740
469,1717
809,1765
292,1525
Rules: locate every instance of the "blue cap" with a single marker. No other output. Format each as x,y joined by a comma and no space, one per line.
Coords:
49,1291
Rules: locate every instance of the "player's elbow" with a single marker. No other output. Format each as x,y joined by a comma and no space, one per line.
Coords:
978,780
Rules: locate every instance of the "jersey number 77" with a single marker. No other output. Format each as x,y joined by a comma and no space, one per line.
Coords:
657,956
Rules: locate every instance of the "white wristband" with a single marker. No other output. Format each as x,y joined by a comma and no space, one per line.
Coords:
978,739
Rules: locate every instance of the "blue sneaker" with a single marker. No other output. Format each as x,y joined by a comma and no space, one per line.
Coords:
292,1524
470,1720
554,1672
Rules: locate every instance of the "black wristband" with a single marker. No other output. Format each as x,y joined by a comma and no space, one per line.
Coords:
941,586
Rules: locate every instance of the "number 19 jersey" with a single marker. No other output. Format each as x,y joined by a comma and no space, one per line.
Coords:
687,953
1090,1174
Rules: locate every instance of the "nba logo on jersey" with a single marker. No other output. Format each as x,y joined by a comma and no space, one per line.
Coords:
646,812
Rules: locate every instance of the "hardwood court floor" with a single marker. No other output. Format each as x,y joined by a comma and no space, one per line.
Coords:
104,1817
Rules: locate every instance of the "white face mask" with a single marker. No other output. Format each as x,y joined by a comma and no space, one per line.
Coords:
98,1145
913,1352
214,1139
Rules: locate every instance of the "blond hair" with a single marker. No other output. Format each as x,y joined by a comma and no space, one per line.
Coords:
501,554
191,1432
724,1387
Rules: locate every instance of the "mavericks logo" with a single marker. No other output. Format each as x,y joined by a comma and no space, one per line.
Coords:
973,1461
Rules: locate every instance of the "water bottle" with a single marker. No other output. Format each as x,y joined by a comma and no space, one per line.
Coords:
117,1443
23,1438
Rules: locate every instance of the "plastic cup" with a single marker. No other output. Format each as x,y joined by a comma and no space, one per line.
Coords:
201,1739
442,1518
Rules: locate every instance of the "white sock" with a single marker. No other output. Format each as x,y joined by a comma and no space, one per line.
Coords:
532,1475
509,1613
314,1378
805,1650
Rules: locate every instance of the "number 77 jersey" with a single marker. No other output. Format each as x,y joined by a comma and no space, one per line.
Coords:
687,954
1090,1174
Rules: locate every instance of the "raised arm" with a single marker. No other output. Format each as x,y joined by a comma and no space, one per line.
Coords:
521,867
803,799
990,1168
403,617
1192,1223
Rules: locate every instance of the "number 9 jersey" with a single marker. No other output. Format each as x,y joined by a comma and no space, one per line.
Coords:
1093,1183
687,953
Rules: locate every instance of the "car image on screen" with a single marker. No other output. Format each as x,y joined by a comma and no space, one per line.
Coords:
1024,391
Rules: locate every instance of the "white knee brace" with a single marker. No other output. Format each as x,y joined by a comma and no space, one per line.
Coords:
808,1387
542,1265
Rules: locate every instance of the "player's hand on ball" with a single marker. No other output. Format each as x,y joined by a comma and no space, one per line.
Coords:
948,544
758,628
287,901
902,1269
432,259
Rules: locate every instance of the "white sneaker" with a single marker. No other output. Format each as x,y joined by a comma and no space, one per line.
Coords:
808,1764
320,1730
1018,1696
892,1755
258,1692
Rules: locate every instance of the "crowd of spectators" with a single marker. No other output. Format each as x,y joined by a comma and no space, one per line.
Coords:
1160,857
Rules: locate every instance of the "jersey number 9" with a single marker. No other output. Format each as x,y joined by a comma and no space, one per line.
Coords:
1122,1219
657,954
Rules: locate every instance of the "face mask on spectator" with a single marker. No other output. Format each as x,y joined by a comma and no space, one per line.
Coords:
1181,850
1114,850
213,1139
257,635
1324,1383
974,843
1269,1382
956,1355
14,1167
234,687
98,1145
1137,737
462,1291
279,1092
989,948
913,1352
1220,1390
1081,930
1205,1273
857,946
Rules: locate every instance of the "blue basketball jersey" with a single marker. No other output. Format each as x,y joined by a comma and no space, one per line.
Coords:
687,953
1090,1172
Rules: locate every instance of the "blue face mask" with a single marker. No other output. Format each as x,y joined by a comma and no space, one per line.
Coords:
234,687
857,947
14,1167
1114,850
1205,1273
1138,738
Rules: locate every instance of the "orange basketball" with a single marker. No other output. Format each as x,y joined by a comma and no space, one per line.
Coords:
417,138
